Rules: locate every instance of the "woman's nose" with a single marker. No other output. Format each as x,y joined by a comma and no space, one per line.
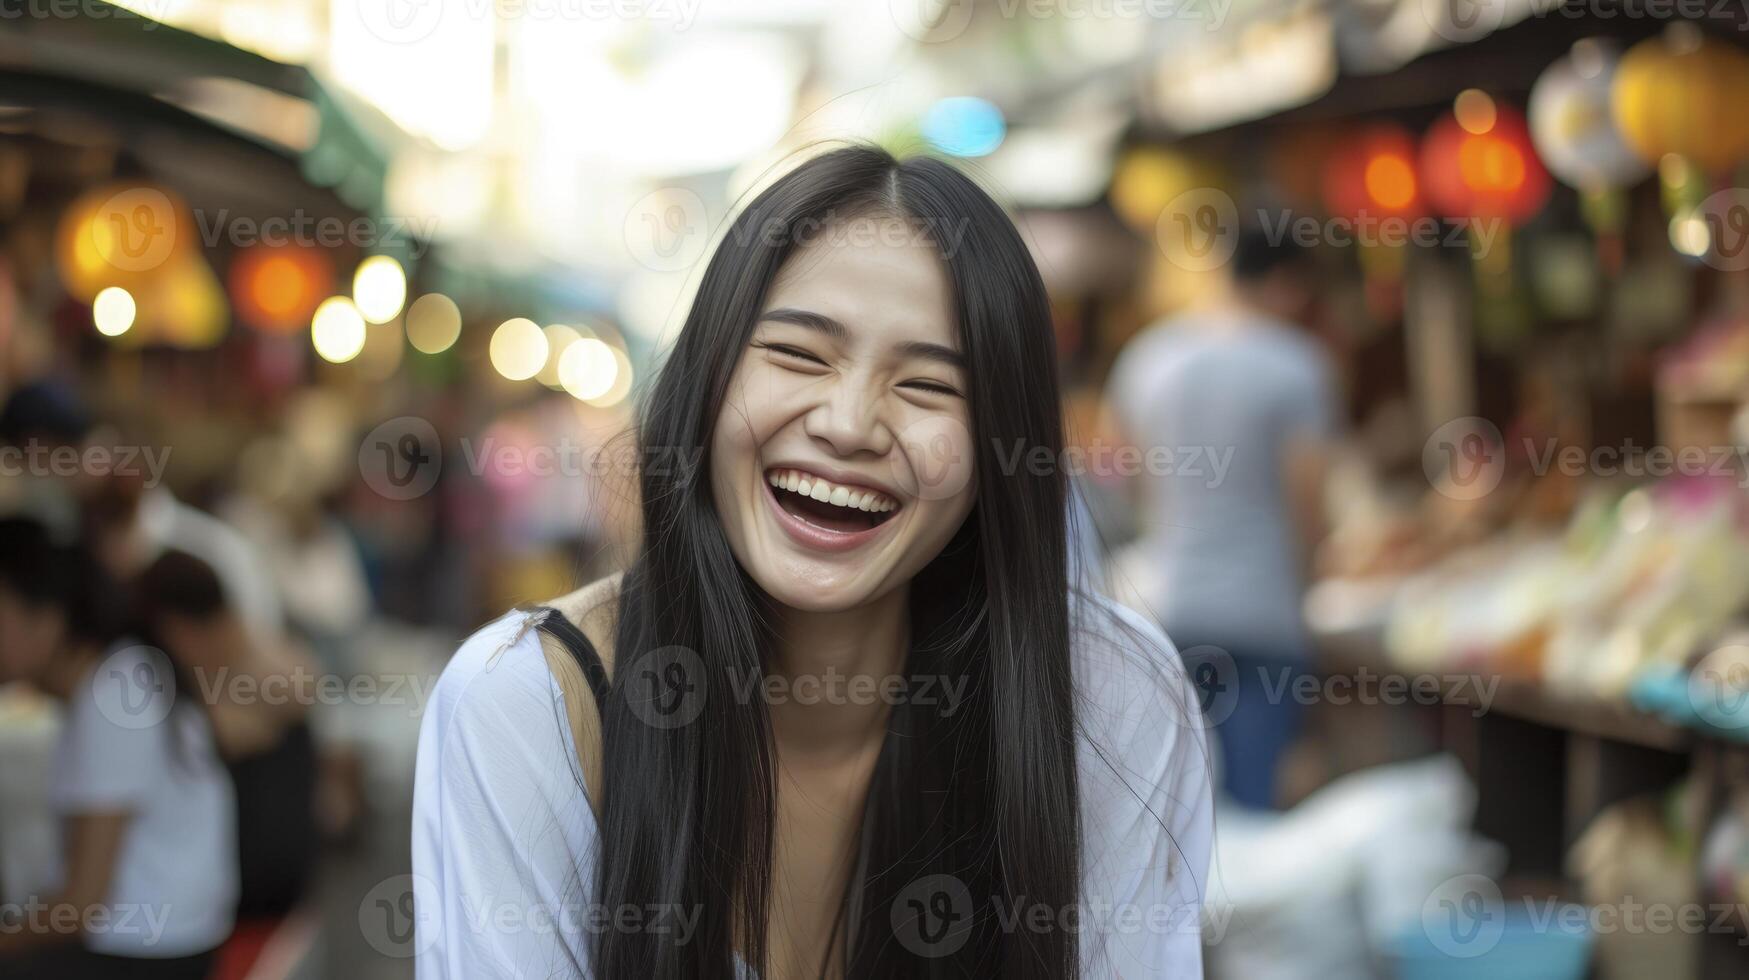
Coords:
848,421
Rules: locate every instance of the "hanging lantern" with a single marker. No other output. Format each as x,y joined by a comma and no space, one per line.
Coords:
185,305
1572,125
1373,175
1148,179
276,287
1479,163
1682,93
121,235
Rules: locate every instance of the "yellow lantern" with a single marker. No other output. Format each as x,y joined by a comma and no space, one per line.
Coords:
1147,179
124,235
1682,93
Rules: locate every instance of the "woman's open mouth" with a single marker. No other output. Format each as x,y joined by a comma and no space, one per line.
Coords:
827,515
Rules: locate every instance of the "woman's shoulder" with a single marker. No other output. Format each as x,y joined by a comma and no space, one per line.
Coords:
509,682
505,655
1129,676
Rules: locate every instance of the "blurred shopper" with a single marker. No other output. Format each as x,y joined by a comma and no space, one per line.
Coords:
258,698
149,879
128,515
1240,400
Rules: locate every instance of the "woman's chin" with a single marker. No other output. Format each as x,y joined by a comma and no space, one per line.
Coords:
815,586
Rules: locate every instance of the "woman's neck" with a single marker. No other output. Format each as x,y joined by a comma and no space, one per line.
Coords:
829,683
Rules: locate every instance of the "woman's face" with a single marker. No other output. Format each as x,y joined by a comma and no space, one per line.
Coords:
29,637
842,462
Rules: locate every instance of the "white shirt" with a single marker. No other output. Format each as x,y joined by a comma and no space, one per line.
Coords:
1218,406
126,745
505,842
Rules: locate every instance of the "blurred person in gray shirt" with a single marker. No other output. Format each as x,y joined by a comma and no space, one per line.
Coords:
1233,403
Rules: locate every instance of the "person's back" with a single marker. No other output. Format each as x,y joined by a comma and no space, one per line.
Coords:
1232,408
1225,401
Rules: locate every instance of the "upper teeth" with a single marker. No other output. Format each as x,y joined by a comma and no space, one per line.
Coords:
810,485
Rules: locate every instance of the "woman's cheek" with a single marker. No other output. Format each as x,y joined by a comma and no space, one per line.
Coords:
935,459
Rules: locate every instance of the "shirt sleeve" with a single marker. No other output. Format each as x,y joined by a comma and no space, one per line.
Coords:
504,841
1147,805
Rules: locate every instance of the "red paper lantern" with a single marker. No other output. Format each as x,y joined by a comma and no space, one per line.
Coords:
1373,176
277,287
1479,163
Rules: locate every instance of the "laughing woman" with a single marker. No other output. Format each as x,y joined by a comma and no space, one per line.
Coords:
844,715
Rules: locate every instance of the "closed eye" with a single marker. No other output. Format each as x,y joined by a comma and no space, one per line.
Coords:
789,351
933,387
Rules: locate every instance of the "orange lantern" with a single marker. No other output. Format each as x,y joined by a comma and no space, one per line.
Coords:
121,235
1682,93
277,287
1478,162
1373,175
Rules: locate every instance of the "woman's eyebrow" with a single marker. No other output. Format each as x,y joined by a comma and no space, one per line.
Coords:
835,330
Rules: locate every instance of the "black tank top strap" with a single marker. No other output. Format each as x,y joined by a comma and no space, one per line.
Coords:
557,625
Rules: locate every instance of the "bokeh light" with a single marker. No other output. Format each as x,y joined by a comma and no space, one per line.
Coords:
588,369
337,330
434,323
379,288
518,349
113,311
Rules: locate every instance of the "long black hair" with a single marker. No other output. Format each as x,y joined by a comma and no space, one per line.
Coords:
976,803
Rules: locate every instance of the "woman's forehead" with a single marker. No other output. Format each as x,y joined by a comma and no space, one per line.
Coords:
870,284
